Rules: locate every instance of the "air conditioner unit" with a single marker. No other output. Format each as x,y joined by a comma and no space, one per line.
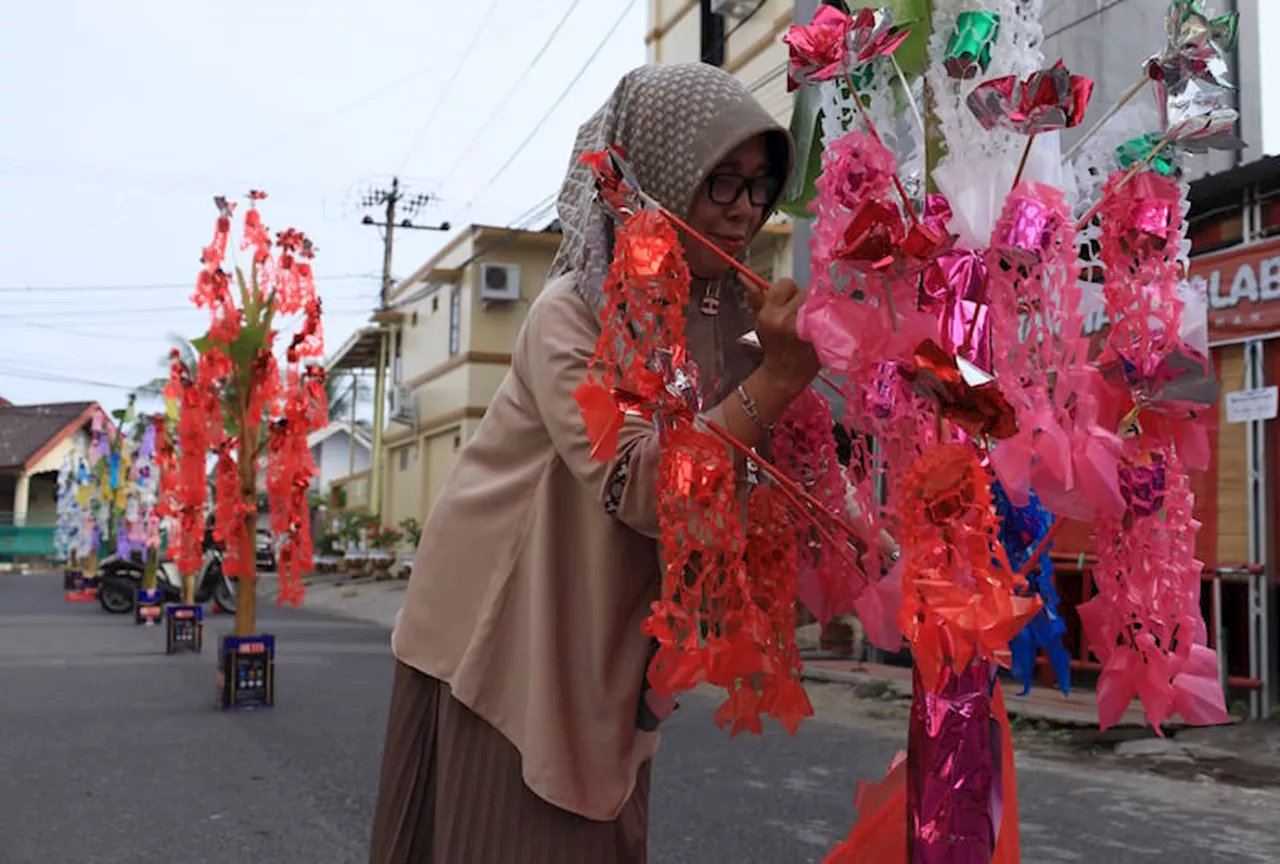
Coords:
738,9
499,283
404,407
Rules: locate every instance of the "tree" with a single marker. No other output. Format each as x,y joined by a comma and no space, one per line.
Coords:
240,406
186,353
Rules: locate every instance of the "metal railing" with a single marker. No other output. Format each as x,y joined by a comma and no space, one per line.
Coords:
1253,576
32,538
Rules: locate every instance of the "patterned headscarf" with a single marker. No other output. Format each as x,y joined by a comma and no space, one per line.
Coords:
676,123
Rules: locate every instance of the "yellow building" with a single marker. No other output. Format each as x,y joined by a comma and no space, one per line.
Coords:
744,37
446,336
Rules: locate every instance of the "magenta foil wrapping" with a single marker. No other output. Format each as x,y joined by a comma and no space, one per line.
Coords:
953,764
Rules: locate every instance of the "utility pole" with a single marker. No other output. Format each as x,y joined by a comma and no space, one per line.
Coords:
390,199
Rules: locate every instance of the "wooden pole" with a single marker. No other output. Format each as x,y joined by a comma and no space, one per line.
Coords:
149,573
247,463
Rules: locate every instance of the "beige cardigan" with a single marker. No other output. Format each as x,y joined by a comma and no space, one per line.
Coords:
537,564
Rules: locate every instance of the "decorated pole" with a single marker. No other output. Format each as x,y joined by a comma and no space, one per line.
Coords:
239,405
74,534
993,420
109,461
947,306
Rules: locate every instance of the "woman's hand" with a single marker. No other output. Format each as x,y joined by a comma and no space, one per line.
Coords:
790,363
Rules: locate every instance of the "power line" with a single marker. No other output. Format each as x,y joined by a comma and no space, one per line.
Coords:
517,225
365,98
49,378
155,286
390,199
547,205
82,314
556,104
1083,18
519,79
457,70
90,334
186,184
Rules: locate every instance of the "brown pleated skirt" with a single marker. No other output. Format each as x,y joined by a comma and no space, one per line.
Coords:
451,793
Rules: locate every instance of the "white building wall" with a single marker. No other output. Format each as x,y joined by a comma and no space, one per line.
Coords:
332,457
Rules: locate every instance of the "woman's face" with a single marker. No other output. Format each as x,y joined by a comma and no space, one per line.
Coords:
728,208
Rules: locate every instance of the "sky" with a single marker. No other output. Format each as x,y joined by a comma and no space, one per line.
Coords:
1269,34
123,119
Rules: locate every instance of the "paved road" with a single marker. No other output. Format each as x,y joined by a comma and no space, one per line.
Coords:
111,752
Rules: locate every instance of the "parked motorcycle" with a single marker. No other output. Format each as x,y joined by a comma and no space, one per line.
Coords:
120,578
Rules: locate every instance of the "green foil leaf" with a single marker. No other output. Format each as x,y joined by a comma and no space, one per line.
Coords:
969,48
1130,153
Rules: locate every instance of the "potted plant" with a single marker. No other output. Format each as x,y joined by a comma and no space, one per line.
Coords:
383,539
329,552
412,529
351,531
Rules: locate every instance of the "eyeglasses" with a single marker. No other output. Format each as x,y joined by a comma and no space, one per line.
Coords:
726,189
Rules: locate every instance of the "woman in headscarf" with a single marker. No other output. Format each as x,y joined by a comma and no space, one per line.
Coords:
521,728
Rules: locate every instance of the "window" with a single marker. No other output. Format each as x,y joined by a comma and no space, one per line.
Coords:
435,303
396,364
713,38
455,318
404,458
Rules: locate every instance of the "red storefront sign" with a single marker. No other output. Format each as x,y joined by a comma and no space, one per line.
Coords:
1243,287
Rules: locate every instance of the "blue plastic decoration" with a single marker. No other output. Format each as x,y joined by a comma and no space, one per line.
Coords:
115,470
1021,529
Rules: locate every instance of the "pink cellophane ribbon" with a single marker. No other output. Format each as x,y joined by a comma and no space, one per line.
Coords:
861,307
1144,623
1061,449
804,449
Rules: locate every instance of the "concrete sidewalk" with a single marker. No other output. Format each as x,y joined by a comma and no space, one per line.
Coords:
361,599
379,602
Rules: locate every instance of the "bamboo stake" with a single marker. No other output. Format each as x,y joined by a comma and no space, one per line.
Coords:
1124,100
782,480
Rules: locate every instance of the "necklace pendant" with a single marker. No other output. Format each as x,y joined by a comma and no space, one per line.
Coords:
710,305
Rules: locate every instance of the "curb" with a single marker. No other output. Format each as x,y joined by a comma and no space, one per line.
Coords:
1015,706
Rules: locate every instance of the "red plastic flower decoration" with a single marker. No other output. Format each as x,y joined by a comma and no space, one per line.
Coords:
615,183
836,42
818,51
1050,99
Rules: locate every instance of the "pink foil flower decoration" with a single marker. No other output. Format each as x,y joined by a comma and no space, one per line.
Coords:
860,230
818,51
836,43
956,290
874,35
1050,99
856,168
